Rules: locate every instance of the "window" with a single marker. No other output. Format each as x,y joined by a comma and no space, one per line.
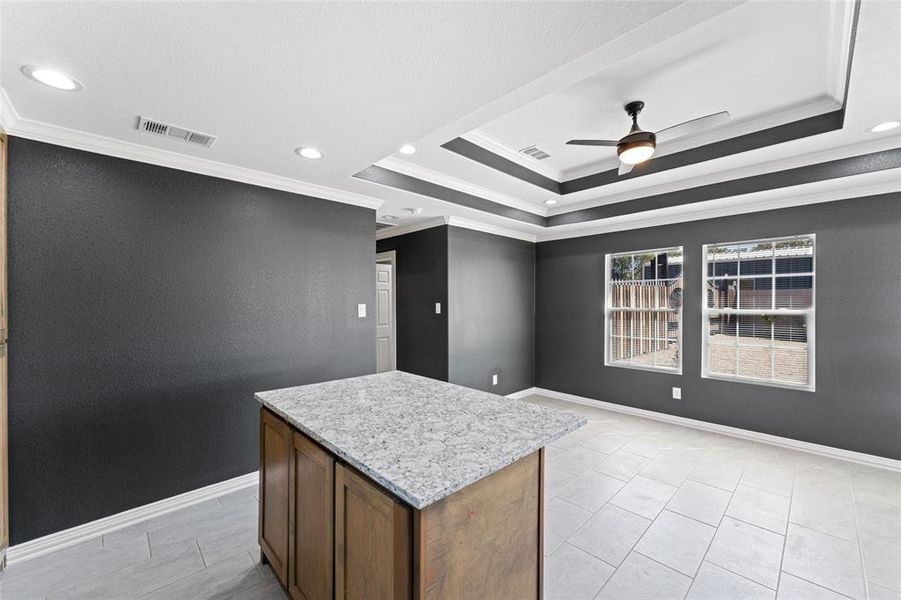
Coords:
644,310
759,312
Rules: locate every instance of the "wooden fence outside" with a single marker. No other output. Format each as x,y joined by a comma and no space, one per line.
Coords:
637,332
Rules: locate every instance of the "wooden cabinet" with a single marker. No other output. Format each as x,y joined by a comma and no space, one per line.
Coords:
311,531
373,547
275,491
329,532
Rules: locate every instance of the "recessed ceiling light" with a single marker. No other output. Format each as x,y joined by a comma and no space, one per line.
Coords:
52,78
390,217
887,126
550,202
309,152
408,149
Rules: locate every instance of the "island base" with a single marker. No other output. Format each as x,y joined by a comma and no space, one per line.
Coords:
327,531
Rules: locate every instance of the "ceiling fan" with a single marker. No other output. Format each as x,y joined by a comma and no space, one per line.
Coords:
638,145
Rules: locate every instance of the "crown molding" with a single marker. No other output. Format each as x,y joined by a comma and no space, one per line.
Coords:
492,229
81,140
410,228
8,114
831,190
455,222
878,144
413,170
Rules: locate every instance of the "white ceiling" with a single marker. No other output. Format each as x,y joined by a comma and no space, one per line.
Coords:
357,80
874,95
734,62
354,79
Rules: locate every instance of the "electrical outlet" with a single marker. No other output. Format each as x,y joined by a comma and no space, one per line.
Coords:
494,379
437,308
361,311
677,393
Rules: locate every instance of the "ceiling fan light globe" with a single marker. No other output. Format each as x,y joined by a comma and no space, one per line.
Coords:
635,152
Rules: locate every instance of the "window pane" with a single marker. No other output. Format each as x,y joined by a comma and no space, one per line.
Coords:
649,284
755,293
721,293
790,331
621,268
646,294
672,268
756,259
645,266
721,359
794,256
754,330
791,365
755,362
721,330
724,260
762,279
648,338
794,292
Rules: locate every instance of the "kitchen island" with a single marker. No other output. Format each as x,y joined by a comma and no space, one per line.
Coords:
395,486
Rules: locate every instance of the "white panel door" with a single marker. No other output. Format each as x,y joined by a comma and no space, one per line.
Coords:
384,318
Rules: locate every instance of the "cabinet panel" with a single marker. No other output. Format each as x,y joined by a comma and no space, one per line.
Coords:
310,570
275,460
373,551
485,541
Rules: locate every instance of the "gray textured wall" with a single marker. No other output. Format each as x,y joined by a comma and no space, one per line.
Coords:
857,404
491,311
146,306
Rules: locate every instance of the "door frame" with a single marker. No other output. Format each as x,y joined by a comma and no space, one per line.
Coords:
4,416
390,258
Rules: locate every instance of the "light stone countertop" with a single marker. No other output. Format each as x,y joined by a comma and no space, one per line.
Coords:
419,438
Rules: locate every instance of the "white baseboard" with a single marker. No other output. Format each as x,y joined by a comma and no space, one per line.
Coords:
869,460
524,393
75,535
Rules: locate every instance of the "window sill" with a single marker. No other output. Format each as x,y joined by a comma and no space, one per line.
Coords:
801,387
649,368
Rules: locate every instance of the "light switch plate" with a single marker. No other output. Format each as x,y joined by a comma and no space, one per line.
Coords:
437,308
361,311
677,393
494,379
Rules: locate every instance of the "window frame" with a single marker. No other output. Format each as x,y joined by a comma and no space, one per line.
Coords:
809,313
609,309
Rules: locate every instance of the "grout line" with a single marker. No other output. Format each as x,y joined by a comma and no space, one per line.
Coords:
819,585
791,465
199,551
863,566
662,565
791,502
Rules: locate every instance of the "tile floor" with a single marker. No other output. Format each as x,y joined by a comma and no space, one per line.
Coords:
634,509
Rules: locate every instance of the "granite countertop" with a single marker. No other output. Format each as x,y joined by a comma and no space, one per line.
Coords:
420,438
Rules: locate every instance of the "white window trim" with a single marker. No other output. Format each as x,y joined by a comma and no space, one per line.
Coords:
608,311
706,312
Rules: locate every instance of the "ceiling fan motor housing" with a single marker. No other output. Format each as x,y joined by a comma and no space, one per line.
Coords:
636,139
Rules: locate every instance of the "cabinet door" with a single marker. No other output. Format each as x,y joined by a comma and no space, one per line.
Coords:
310,568
373,553
275,461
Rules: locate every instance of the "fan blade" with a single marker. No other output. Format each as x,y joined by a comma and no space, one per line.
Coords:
592,142
693,126
624,168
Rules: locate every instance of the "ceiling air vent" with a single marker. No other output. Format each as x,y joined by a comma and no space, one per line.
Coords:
159,128
535,152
